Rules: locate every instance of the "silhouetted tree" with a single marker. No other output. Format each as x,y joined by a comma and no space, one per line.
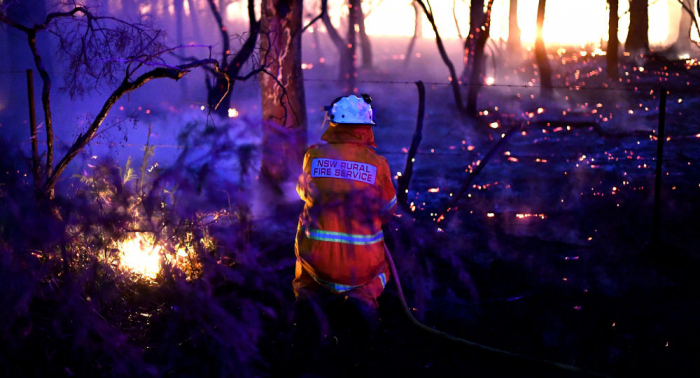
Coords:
638,35
284,120
476,79
541,51
476,22
232,64
611,57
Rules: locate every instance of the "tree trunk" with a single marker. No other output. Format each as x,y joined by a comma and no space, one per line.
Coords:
284,121
476,21
514,43
417,30
337,40
541,51
612,53
350,54
446,59
365,43
476,76
638,36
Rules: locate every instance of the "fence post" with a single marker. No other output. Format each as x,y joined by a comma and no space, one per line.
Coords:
32,128
661,137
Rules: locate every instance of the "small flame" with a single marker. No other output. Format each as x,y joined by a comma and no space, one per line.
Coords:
138,254
232,113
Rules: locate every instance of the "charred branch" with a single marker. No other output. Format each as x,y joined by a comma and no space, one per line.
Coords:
405,179
480,166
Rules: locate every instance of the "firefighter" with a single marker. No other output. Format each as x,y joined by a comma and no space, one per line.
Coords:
349,195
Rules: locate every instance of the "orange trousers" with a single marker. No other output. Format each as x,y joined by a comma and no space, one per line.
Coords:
307,287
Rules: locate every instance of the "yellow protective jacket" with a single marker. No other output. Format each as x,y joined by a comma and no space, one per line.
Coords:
349,195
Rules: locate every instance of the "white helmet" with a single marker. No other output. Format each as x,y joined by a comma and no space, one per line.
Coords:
351,109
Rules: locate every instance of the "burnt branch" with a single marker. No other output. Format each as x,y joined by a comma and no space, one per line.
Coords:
480,166
405,179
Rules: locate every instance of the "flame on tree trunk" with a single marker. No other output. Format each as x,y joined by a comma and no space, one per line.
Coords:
638,36
284,121
541,51
611,56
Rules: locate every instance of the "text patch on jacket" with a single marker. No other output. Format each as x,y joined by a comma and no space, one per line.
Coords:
343,169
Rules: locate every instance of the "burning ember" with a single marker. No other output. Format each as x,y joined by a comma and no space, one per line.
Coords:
140,255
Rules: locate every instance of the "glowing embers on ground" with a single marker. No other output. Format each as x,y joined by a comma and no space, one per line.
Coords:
521,215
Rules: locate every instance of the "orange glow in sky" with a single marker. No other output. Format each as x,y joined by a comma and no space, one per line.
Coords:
567,22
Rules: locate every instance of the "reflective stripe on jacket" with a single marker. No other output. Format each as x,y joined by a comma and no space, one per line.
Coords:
348,192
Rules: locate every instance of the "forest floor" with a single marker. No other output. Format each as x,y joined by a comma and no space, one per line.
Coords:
549,254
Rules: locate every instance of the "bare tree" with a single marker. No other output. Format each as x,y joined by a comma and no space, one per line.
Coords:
283,100
541,51
638,36
230,63
99,51
454,80
473,54
417,32
347,47
611,57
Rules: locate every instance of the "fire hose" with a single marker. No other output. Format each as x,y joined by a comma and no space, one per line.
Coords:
462,341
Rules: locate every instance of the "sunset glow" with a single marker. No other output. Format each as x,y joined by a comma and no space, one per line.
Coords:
566,22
